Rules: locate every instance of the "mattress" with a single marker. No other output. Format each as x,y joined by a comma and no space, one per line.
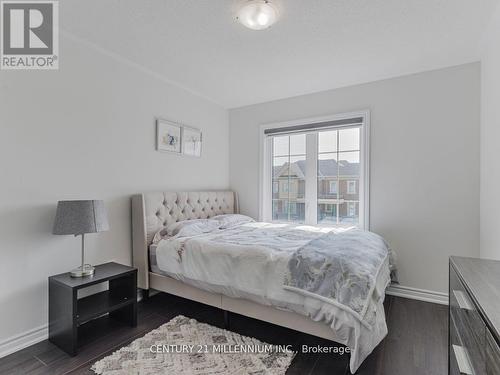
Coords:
250,261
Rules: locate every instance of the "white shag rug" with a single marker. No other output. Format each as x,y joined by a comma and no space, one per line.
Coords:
185,346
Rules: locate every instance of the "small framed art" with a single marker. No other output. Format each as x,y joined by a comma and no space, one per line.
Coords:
168,136
191,141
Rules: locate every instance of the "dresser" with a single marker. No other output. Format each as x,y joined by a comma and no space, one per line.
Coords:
474,316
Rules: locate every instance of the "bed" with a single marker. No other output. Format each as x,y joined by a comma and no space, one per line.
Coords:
245,269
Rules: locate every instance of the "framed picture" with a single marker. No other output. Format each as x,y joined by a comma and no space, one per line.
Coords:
168,136
191,141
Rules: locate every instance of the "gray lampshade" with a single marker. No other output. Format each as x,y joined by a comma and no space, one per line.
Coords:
78,217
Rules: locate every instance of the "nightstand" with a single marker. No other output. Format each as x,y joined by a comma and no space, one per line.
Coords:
67,312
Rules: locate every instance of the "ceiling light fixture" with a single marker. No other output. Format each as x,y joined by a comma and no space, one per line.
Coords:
257,14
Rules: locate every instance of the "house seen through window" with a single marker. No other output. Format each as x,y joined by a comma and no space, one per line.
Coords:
317,176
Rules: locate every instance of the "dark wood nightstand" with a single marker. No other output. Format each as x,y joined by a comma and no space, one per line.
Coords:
67,312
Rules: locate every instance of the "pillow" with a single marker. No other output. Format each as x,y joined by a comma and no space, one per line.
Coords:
186,228
230,220
160,235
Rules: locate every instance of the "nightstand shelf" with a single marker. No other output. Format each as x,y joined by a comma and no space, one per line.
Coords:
98,304
67,312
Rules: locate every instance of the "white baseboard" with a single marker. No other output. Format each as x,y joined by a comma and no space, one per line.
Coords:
28,338
35,335
418,294
23,340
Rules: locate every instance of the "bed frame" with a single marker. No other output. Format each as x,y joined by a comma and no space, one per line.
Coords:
153,211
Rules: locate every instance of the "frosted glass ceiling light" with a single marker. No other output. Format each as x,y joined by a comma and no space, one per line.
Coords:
257,14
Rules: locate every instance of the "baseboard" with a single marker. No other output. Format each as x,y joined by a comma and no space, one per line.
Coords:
23,340
31,337
418,294
35,335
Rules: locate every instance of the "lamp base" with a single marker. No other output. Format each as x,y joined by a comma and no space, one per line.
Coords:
87,270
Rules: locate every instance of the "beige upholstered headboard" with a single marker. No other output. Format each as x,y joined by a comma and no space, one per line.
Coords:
153,211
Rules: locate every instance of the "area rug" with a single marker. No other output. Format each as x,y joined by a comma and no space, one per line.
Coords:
185,346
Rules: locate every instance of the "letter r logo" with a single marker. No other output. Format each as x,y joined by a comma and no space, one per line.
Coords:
27,28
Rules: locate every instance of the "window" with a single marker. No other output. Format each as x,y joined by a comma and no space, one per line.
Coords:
276,189
351,187
316,171
333,187
351,209
288,171
286,186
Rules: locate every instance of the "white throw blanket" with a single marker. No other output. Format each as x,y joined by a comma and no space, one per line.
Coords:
250,261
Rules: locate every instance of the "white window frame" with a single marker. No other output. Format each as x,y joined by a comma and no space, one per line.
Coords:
265,172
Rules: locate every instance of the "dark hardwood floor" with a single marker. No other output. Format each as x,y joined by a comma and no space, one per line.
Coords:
416,343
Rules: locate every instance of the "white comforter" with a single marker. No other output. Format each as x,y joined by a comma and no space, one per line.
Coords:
249,261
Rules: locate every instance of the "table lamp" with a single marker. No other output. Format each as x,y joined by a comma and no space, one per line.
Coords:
79,217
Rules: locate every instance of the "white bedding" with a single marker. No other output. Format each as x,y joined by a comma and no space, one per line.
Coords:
249,261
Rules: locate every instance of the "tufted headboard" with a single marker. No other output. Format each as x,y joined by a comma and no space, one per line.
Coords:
153,211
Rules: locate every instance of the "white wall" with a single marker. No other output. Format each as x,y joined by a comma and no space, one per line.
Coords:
86,131
490,136
424,162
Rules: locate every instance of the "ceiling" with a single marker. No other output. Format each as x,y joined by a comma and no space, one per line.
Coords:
316,45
